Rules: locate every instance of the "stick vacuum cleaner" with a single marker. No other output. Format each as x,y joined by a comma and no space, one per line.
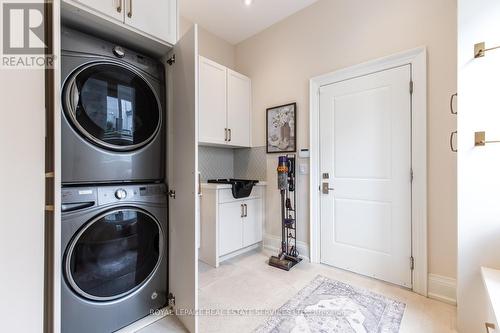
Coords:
288,255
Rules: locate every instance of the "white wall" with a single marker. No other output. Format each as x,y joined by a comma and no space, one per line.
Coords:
210,46
478,167
334,34
21,200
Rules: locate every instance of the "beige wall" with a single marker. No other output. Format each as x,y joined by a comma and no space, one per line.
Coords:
333,34
211,46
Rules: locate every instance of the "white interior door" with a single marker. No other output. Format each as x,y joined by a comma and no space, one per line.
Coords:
182,175
365,147
239,94
213,109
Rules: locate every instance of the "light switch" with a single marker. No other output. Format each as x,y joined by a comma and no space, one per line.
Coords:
304,169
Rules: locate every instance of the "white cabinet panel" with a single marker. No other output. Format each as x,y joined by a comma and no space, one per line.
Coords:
212,123
238,108
252,222
112,8
182,176
154,17
230,227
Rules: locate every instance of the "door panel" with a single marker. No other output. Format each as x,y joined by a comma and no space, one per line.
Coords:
213,108
111,8
365,126
238,108
182,175
154,17
252,223
230,227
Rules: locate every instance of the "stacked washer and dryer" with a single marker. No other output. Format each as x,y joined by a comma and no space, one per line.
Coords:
114,202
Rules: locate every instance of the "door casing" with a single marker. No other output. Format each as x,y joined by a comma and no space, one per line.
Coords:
417,59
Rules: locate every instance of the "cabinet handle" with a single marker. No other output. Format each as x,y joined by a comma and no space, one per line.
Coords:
129,14
230,135
242,210
452,99
453,149
119,6
225,134
246,210
489,326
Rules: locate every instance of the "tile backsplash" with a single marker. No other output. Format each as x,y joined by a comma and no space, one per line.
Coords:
245,163
215,163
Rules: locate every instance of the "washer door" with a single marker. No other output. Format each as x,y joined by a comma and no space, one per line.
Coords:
114,254
112,105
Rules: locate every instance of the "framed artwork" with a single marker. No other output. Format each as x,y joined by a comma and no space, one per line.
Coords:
281,129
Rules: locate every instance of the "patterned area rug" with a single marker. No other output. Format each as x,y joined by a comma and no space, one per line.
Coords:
327,305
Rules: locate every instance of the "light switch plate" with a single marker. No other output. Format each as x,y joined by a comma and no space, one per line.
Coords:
304,169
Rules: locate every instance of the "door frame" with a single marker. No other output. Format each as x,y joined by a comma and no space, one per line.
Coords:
417,59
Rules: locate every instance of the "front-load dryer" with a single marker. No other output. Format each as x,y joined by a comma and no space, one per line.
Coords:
114,256
113,123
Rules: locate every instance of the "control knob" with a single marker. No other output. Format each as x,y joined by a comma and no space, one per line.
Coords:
120,194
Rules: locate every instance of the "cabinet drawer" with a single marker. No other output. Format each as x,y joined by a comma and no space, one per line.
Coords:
226,195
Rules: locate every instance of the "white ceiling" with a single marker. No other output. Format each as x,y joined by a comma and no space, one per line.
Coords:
233,21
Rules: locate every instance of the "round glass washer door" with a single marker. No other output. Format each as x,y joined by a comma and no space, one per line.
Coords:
114,254
112,105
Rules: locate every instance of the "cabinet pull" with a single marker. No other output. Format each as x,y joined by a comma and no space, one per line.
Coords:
230,135
452,99
225,134
452,135
129,14
242,210
489,326
119,6
246,210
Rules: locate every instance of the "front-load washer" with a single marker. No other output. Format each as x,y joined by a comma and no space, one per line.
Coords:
114,256
113,105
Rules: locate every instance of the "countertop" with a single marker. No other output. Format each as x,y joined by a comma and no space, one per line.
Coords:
209,186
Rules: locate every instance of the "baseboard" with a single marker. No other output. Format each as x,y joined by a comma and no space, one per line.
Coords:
442,288
273,243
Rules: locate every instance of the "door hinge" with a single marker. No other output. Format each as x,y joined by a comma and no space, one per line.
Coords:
171,60
411,175
412,263
411,87
171,194
171,300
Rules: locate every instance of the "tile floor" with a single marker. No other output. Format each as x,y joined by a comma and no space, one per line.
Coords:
247,282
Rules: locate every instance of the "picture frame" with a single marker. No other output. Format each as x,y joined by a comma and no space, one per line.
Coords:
281,129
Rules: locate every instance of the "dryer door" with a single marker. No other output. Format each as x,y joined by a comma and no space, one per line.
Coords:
114,254
112,105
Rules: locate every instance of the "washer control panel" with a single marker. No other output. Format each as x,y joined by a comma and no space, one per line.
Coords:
154,193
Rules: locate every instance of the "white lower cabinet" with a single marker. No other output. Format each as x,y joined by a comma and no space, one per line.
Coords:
229,226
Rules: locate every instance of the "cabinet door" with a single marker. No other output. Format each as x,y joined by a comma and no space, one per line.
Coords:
252,222
112,8
230,227
239,96
182,175
157,18
212,102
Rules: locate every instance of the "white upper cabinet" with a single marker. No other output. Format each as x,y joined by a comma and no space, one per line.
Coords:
225,106
111,8
212,100
239,97
154,17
